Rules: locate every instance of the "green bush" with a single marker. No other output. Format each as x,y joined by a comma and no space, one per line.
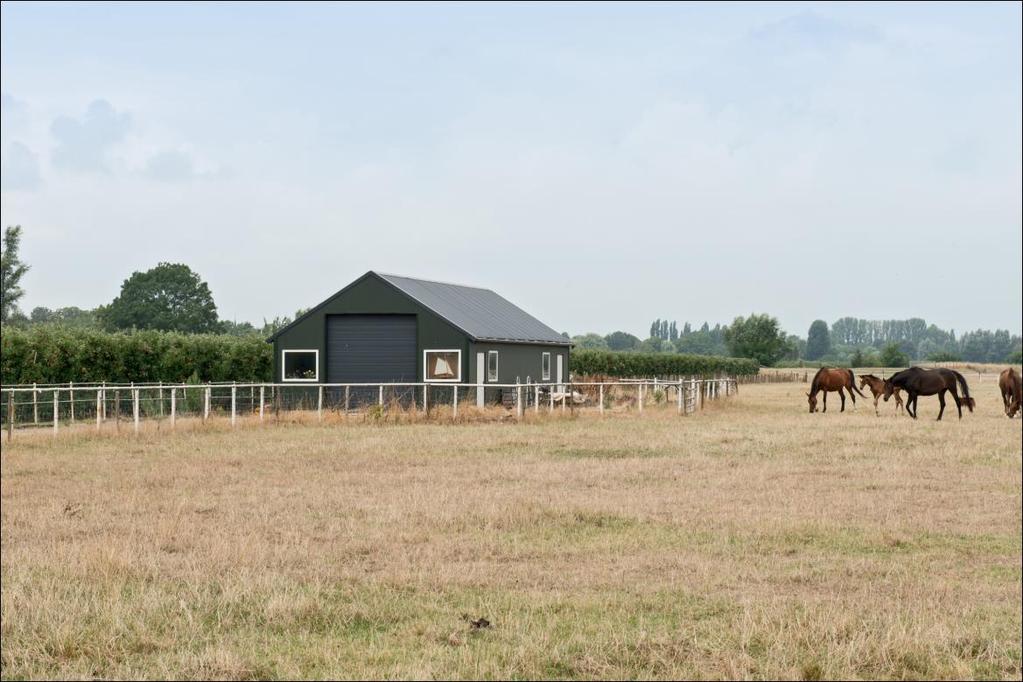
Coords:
892,356
51,354
631,364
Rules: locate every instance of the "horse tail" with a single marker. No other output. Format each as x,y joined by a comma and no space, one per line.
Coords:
962,384
852,383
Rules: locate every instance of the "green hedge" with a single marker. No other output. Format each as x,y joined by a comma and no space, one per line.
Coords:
47,354
610,363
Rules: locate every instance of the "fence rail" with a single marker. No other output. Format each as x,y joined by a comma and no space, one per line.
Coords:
58,406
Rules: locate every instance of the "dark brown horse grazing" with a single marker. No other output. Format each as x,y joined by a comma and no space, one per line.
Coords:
831,379
876,386
917,382
1011,386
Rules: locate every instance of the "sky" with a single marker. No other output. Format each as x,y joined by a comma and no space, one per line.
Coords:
599,165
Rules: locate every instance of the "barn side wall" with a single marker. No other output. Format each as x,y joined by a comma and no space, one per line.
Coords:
518,360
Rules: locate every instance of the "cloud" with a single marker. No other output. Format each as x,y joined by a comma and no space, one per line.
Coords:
812,30
170,166
20,168
82,144
14,114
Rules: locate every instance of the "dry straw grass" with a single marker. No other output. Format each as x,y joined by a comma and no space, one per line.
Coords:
752,540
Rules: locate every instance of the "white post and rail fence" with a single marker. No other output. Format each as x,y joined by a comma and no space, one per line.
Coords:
164,405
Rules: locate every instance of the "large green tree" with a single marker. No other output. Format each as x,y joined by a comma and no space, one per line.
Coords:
169,297
11,272
590,341
622,341
818,340
758,336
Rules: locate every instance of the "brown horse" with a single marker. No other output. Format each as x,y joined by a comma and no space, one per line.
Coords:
917,381
1009,383
876,386
832,379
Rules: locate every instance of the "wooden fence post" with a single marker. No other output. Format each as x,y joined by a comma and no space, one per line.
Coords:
56,410
262,396
117,410
161,399
426,404
35,405
10,415
640,391
71,395
678,396
550,394
99,412
104,402
518,400
135,408
536,400
600,398
319,404
174,406
234,402
380,395
206,403
454,401
348,399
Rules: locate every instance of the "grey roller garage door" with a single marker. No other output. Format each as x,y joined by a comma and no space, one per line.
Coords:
371,348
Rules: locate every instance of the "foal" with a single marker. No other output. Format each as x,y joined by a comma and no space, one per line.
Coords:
876,386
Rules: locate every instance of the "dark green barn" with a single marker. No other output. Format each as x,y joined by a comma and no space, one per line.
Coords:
389,329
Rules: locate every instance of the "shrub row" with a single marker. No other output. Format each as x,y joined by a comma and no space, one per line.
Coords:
46,354
624,365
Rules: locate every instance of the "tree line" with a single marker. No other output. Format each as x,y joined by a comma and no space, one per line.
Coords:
851,339
169,297
848,341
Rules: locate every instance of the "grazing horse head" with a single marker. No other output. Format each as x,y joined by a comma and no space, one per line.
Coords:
889,388
1012,409
812,401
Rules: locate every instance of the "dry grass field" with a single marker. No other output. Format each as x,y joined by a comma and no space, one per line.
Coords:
752,540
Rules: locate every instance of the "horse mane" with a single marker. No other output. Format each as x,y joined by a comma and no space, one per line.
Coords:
815,383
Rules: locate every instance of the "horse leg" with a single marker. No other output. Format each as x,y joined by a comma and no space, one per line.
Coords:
898,402
825,394
876,413
941,402
841,394
911,405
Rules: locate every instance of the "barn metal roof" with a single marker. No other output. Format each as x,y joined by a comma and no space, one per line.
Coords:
480,313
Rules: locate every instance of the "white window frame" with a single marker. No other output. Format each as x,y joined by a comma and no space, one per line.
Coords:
545,371
426,373
284,355
497,366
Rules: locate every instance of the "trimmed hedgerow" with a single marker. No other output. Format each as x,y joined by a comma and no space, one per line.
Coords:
47,354
610,363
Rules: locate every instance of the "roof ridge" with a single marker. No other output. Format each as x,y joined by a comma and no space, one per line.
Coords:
431,281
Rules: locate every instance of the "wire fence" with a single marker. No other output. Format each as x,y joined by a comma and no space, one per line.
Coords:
133,407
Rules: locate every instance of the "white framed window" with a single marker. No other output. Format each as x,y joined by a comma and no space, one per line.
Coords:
545,366
492,365
442,365
300,365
